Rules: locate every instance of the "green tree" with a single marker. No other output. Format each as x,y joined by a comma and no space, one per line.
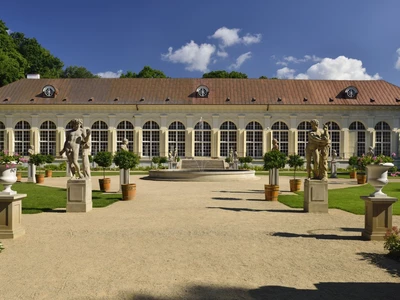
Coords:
40,61
12,63
263,77
224,74
77,72
146,72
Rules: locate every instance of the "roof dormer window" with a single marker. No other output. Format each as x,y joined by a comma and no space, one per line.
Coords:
49,91
202,91
351,92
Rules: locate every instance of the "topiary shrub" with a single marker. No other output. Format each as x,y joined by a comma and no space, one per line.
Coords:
104,160
126,159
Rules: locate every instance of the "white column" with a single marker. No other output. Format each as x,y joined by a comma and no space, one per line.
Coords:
189,138
138,135
215,136
241,137
163,136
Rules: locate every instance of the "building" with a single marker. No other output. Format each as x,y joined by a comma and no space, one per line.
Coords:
200,117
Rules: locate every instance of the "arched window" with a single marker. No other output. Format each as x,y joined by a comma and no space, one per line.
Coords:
280,131
47,134
254,139
22,134
228,133
382,138
2,135
334,133
202,139
99,135
176,138
302,137
151,139
357,133
125,131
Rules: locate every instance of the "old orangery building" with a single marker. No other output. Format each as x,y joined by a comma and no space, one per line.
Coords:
200,117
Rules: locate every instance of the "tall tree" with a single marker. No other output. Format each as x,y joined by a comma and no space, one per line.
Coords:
12,63
146,72
224,74
77,72
40,60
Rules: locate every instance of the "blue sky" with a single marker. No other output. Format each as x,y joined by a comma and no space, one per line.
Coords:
308,39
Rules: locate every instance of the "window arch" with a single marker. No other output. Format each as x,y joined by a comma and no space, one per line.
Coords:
151,139
125,131
22,134
176,138
2,135
254,139
228,140
302,137
334,133
99,135
47,134
280,131
202,139
357,138
382,138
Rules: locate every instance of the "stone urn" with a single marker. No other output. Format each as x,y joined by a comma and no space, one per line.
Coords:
8,176
377,176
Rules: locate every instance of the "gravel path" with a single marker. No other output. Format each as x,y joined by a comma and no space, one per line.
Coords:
188,240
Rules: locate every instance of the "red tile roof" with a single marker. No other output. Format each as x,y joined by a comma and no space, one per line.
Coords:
183,92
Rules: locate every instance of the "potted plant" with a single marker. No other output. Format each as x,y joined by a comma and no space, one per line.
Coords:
127,160
295,161
273,161
8,170
38,160
353,163
104,160
47,166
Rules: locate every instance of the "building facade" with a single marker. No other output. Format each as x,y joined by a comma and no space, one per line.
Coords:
201,118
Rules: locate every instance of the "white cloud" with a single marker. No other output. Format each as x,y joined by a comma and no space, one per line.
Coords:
9,31
291,59
240,60
230,37
194,56
222,53
285,73
340,68
110,74
397,65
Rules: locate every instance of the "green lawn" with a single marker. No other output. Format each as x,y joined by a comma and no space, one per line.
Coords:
347,199
42,198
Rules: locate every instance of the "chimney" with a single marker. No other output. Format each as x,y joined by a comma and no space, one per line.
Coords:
33,76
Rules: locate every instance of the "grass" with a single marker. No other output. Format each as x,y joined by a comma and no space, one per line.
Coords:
347,199
43,199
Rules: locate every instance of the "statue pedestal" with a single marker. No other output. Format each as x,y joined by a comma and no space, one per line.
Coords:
31,173
378,217
333,170
315,196
79,195
10,216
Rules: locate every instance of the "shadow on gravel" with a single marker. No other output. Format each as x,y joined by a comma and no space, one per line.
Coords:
323,290
318,236
226,198
242,192
238,209
382,261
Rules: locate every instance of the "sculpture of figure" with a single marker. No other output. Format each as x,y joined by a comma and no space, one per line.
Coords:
317,150
124,145
370,151
85,155
175,155
334,155
275,144
235,156
74,138
31,150
231,156
169,155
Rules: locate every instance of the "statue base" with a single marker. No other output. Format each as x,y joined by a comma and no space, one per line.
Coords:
378,217
315,196
79,195
10,216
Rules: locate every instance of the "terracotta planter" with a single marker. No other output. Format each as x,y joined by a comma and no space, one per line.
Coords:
361,178
353,174
271,192
19,176
295,185
49,173
105,184
39,178
128,191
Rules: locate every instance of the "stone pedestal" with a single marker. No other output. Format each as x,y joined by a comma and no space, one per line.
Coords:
31,173
274,176
79,195
10,216
378,217
315,196
333,169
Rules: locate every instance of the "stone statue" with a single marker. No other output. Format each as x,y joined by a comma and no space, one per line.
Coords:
124,145
74,138
370,151
85,155
231,156
334,155
235,156
175,155
275,144
317,151
31,150
170,156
